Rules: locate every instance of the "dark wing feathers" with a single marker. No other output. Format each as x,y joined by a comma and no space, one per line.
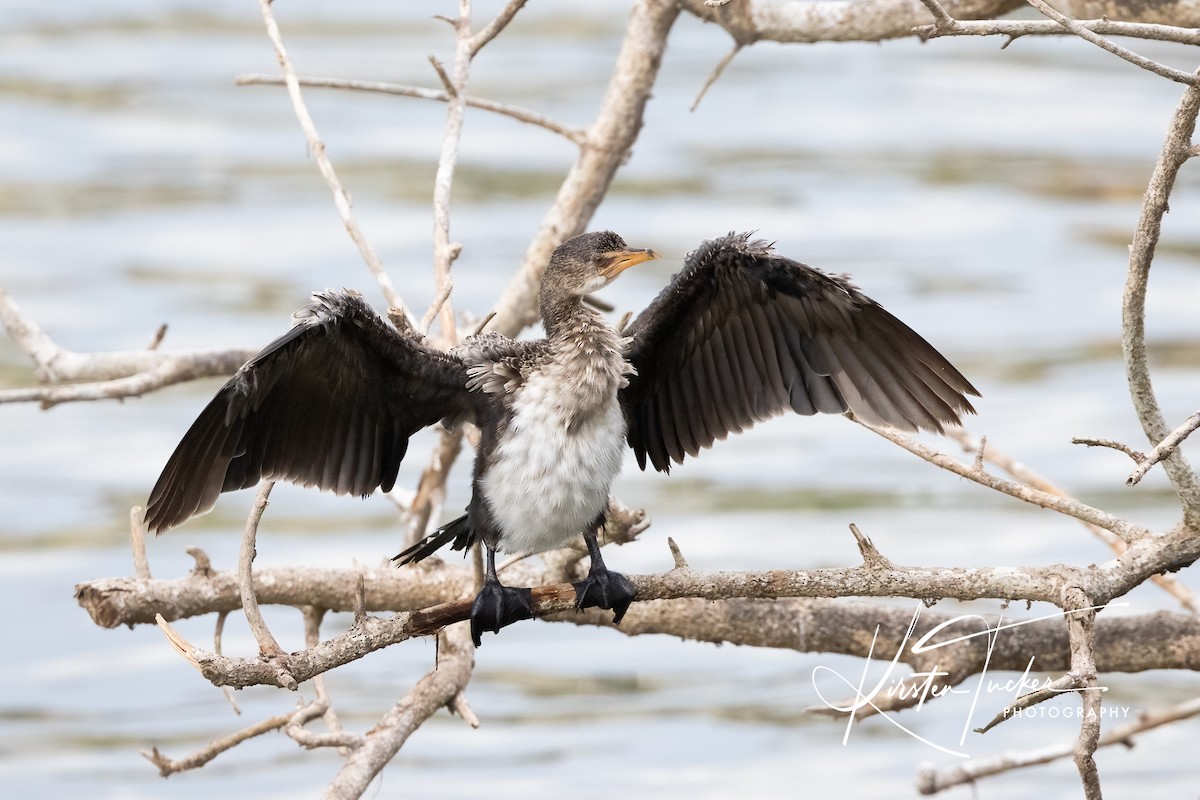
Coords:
742,334
331,403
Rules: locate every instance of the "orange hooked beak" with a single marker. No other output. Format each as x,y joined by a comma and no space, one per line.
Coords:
618,261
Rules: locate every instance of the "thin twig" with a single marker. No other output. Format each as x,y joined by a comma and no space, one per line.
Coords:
159,334
575,135
941,17
320,707
103,375
609,140
715,75
1025,474
1082,636
929,781
493,28
431,488
1065,505
1175,152
1164,448
218,633
317,148
1015,29
432,692
267,646
169,766
137,539
1137,456
1121,52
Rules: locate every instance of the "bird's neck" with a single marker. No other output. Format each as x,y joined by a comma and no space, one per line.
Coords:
580,334
565,315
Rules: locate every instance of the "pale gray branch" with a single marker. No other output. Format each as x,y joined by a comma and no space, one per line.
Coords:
1026,474
316,147
169,766
437,689
1121,52
1063,504
520,114
1014,29
802,21
608,144
268,647
105,375
930,781
1164,448
1175,152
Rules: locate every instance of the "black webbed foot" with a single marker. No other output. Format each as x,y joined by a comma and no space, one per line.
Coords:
496,606
603,588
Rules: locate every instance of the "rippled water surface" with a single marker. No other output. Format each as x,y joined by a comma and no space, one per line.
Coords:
986,196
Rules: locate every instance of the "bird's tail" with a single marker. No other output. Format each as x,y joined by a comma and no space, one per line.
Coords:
458,531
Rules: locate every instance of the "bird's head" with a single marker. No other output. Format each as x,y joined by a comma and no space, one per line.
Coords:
589,262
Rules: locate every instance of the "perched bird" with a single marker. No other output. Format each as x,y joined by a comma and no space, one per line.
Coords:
740,334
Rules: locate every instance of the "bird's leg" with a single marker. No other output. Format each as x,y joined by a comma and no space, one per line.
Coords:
602,588
496,605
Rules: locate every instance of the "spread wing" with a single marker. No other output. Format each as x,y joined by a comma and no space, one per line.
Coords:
331,403
742,334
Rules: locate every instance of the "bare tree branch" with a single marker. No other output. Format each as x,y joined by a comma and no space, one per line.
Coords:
930,781
1164,448
796,21
609,142
1015,29
1175,151
437,689
169,766
1084,33
1025,474
316,147
1063,504
520,114
130,600
109,375
267,646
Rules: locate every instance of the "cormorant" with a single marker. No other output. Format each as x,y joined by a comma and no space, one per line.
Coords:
740,334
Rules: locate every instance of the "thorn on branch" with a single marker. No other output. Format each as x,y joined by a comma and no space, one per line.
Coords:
181,645
203,568
460,706
1067,683
872,558
677,555
715,74
451,89
159,335
978,464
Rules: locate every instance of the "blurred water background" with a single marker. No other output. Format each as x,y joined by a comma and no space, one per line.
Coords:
986,196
